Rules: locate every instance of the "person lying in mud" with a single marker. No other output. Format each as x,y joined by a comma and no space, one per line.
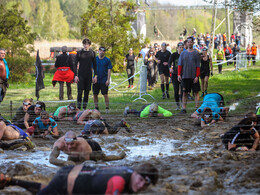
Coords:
101,127
89,114
215,102
32,113
242,137
208,117
66,112
150,110
18,119
12,137
43,125
82,179
79,150
255,119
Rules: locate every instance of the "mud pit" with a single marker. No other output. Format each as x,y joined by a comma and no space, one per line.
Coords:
190,160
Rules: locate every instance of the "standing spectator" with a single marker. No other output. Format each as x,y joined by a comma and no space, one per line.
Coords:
248,54
232,38
238,38
235,51
224,40
144,51
151,66
87,64
64,73
220,56
129,63
216,40
181,37
253,52
188,73
184,31
207,39
173,65
206,66
156,31
4,74
18,119
162,58
72,60
104,67
228,54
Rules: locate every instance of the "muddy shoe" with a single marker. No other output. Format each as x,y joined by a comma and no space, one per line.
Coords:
183,111
126,126
4,180
28,143
125,111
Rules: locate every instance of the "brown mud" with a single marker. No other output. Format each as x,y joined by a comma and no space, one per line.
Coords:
191,160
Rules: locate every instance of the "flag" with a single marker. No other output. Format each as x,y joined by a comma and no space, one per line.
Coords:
39,76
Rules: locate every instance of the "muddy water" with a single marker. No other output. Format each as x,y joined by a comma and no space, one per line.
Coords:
190,160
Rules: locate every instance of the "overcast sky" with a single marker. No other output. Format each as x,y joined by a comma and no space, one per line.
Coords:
182,2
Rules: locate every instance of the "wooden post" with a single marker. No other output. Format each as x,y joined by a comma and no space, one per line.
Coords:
11,109
213,25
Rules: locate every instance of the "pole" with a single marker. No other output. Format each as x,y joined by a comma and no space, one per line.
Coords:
213,25
227,21
11,109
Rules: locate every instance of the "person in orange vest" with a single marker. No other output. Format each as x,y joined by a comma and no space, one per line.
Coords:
220,56
253,52
248,54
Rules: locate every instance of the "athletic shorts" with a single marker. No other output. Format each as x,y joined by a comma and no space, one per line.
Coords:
164,70
91,126
204,73
248,57
100,86
76,117
188,85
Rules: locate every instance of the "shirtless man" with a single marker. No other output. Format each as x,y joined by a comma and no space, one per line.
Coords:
78,150
83,116
12,132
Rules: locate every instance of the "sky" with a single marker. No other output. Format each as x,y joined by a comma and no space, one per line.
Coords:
182,2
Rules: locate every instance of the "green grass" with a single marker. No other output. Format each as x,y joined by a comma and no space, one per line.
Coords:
235,86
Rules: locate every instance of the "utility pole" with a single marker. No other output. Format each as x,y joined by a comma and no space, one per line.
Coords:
213,26
227,21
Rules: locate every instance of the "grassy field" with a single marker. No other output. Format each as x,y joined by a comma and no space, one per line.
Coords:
236,86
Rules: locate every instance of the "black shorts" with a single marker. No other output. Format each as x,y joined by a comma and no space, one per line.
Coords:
204,73
100,86
188,85
164,70
248,57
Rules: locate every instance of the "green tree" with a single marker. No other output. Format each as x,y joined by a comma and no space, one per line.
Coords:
17,39
108,23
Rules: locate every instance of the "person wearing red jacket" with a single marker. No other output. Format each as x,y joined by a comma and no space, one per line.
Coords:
228,52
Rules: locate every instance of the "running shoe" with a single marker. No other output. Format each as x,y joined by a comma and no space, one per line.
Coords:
183,111
28,143
163,96
167,94
4,180
202,95
126,126
125,111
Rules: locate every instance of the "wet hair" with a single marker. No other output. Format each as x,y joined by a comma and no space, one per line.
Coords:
252,116
40,104
245,123
190,38
64,49
72,106
86,41
148,170
95,115
44,115
207,111
28,101
153,107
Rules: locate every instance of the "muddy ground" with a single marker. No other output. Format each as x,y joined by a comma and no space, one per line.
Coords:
190,160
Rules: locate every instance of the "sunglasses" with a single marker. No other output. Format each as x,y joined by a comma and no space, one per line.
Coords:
69,140
26,103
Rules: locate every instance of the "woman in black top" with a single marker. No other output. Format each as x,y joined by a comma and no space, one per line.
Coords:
130,58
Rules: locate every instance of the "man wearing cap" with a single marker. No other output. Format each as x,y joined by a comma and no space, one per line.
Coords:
87,65
4,74
66,112
82,179
32,113
104,67
162,57
188,73
63,74
79,149
173,65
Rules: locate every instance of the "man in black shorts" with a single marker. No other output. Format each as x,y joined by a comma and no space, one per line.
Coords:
104,67
83,77
162,57
82,179
188,73
173,65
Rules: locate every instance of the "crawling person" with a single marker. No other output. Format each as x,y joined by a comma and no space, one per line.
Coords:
101,127
242,137
150,110
215,102
79,150
66,112
88,114
256,120
43,126
32,113
12,137
208,117
82,179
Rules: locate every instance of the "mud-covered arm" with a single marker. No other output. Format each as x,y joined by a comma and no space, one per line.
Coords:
164,112
26,119
54,157
256,142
